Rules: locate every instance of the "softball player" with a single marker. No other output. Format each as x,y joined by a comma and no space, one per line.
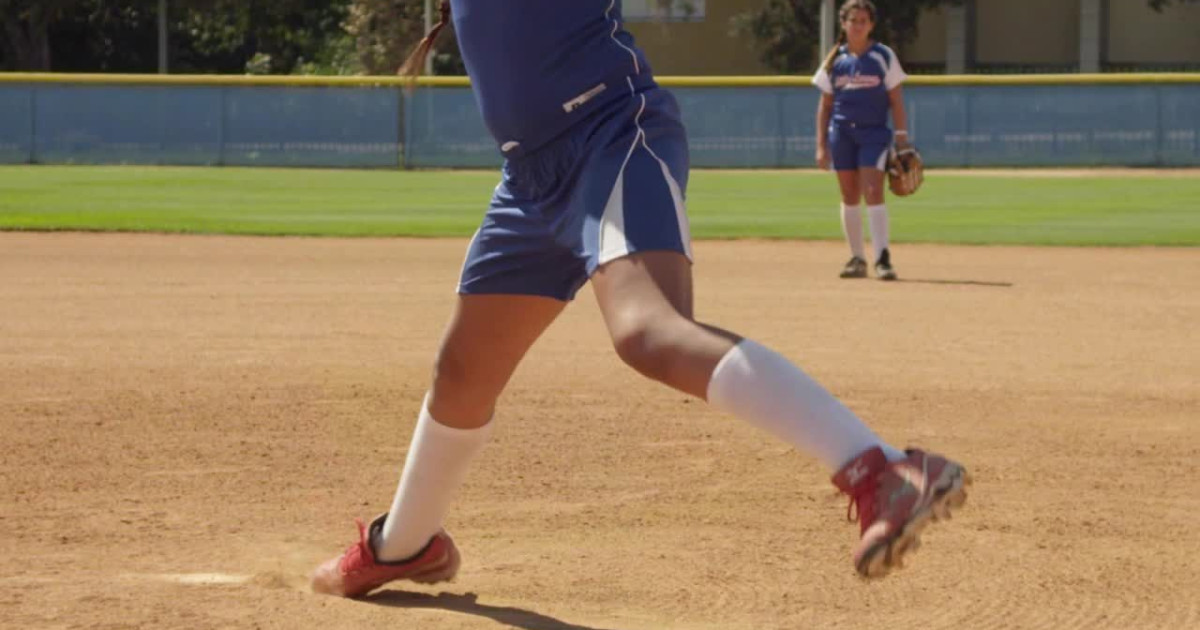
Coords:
593,187
860,80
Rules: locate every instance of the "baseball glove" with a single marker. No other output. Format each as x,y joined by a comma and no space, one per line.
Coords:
905,170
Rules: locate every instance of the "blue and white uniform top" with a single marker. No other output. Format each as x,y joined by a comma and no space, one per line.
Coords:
860,85
538,66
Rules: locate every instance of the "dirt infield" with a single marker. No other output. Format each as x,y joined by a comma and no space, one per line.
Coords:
190,423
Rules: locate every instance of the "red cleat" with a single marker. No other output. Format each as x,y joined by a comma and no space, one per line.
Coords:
896,501
356,572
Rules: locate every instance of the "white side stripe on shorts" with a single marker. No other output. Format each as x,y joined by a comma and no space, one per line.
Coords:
685,230
613,243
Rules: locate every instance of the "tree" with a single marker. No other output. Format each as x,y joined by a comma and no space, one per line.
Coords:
218,36
267,36
1158,5
97,36
25,44
897,20
386,31
786,30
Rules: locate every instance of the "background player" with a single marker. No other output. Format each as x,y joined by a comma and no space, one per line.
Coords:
860,81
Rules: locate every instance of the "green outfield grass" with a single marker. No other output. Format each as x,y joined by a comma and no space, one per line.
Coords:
951,208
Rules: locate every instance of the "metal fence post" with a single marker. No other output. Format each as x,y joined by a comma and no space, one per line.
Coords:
781,121
221,128
1159,130
968,132
164,123
402,127
33,137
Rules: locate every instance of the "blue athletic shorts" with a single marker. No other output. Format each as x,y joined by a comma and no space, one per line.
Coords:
611,186
853,147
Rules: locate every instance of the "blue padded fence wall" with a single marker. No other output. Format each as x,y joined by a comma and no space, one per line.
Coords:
200,125
337,126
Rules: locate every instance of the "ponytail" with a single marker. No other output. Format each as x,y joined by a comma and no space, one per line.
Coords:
415,64
833,54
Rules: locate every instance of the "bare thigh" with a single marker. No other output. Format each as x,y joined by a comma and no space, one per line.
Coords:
486,339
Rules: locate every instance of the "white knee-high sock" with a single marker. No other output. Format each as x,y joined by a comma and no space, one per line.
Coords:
852,227
879,228
435,468
771,393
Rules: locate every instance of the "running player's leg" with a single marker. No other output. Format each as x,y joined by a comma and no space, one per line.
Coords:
646,302
639,253
486,339
472,367
642,281
514,283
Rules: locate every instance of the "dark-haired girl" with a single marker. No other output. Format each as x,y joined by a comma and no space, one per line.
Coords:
860,84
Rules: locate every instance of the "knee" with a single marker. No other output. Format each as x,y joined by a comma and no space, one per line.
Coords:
451,370
646,347
462,392
466,375
851,196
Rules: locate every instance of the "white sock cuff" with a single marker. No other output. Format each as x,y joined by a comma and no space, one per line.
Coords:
846,207
734,359
747,363
877,208
427,423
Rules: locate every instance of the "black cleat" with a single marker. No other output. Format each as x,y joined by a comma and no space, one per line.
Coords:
883,267
856,268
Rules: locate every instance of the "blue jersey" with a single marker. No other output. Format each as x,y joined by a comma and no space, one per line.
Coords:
539,66
859,85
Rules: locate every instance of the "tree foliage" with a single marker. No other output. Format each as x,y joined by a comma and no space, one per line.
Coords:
24,26
1159,5
785,33
218,36
385,31
205,35
279,35
338,36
